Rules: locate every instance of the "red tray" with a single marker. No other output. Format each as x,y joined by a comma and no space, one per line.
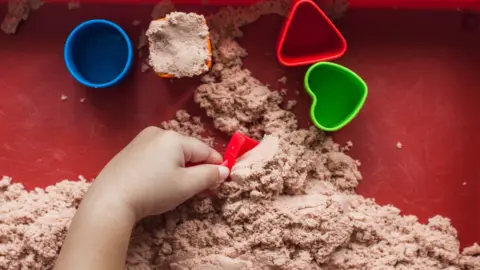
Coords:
421,68
412,4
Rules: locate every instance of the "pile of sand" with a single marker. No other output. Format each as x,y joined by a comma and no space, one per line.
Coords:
178,44
290,205
187,125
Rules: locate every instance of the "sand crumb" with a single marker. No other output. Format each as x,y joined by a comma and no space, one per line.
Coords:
290,105
291,203
145,67
63,97
178,44
73,4
347,147
399,145
82,100
464,183
283,80
136,22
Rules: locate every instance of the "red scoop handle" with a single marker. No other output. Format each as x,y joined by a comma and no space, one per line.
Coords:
239,144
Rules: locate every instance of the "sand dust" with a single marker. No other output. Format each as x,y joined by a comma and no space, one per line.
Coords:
136,22
291,203
178,45
334,9
73,4
142,40
161,9
144,67
283,80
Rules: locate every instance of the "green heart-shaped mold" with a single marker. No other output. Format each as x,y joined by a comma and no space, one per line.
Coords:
338,95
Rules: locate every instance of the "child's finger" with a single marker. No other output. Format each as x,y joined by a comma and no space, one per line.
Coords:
202,177
196,151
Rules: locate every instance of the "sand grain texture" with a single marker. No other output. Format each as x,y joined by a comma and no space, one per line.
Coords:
178,44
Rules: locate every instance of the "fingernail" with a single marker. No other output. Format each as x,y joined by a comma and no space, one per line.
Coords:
224,172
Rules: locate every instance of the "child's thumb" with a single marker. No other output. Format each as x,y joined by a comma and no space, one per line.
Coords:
201,177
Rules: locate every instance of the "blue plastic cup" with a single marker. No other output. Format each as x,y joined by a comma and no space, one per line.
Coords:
98,53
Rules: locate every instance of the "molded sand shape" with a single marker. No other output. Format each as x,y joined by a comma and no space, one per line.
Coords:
180,45
338,95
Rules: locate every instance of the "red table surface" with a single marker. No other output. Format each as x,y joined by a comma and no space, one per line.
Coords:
421,68
413,4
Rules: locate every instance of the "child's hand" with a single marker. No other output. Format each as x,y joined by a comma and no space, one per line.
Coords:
149,175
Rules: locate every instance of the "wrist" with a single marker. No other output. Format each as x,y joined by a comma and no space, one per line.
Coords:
107,206
99,234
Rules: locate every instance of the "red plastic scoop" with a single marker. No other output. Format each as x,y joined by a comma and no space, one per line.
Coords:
239,144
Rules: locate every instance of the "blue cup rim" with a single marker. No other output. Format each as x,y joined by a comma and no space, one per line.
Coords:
68,45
